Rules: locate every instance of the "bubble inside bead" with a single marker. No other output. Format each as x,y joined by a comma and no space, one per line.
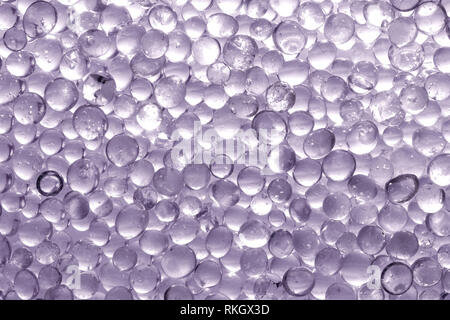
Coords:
396,278
49,183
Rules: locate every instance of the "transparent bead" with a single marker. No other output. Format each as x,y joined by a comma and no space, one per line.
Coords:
15,39
426,271
131,222
319,143
403,245
162,18
90,122
310,16
298,281
339,165
402,188
239,52
407,58
339,28
280,97
39,19
154,44
413,99
289,37
402,31
49,183
29,108
396,278
428,142
430,198
8,16
392,217
83,176
429,18
178,262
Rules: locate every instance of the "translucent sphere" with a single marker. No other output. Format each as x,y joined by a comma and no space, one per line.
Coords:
392,217
298,281
153,242
289,37
403,245
307,172
441,59
83,176
39,19
336,206
340,291
178,262
122,150
254,234
430,198
250,180
362,137
207,274
299,210
328,261
61,94
310,16
270,127
429,18
428,142
319,143
15,39
162,18
439,170
94,43
402,31
396,278
371,239
402,188
74,65
339,165
363,78
443,255
280,97
253,261
225,193
300,123
354,268
426,271
26,285
239,52
222,25
413,99
339,28
144,279
90,122
29,108
168,181
49,183
206,50
131,222
170,92
154,44
406,58
8,16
